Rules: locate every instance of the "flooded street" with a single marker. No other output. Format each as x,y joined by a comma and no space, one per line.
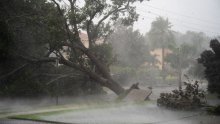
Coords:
134,113
147,112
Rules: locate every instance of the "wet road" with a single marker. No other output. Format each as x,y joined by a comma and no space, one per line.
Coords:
133,113
143,114
14,121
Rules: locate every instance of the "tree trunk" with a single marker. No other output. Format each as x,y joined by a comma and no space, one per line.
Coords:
115,87
162,61
180,71
107,82
111,84
104,80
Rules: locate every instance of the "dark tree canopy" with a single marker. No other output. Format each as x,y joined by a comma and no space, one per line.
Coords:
35,32
24,32
211,61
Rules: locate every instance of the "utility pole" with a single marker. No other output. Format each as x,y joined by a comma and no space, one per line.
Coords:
179,69
162,58
57,96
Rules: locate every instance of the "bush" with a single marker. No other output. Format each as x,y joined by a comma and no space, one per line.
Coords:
189,98
214,110
210,59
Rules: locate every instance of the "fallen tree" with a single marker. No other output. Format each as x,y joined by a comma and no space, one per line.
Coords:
74,18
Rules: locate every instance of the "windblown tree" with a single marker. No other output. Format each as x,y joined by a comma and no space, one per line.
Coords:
93,16
130,47
160,36
85,17
196,39
182,56
24,33
189,46
210,59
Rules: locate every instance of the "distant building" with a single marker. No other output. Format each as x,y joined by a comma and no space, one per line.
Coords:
85,40
158,54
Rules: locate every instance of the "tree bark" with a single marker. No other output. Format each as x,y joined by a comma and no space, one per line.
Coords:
162,61
180,71
103,77
105,81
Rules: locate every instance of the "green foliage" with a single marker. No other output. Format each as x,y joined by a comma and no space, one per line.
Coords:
104,53
5,41
22,33
149,75
23,84
190,45
186,54
123,74
160,34
210,59
112,10
33,29
189,98
130,48
197,39
30,29
214,110
197,70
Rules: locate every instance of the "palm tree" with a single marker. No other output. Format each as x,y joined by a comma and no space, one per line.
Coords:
160,36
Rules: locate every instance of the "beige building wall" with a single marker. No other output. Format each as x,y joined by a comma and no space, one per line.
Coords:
158,54
85,41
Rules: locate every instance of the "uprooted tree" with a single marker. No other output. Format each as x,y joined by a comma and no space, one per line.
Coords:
96,17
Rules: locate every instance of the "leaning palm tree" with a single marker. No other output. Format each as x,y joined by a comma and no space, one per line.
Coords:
160,36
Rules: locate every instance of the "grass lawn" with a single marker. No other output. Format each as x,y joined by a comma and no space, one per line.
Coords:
53,110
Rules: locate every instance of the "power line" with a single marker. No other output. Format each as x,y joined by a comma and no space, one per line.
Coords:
152,13
193,29
177,19
184,15
181,21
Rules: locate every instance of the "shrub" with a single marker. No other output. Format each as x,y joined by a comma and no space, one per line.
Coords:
189,98
210,59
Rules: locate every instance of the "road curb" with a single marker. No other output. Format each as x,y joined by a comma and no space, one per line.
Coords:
36,120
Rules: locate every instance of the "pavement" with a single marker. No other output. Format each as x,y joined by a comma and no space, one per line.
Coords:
16,121
136,114
147,113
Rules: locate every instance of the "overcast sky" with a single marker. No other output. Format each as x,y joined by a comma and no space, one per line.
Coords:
194,15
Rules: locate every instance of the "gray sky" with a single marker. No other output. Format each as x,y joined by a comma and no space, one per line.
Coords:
194,15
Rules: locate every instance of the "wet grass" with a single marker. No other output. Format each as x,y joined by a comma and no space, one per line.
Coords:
74,108
38,116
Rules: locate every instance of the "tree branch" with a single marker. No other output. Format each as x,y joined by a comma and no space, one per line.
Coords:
99,65
72,8
63,76
14,71
81,46
40,60
93,75
111,12
64,19
55,75
89,22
